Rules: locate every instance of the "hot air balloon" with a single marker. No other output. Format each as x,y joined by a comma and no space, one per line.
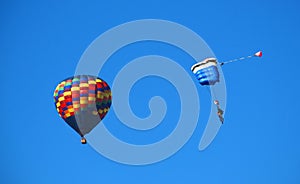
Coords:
82,101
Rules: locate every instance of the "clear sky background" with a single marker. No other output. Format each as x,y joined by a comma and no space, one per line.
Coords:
42,41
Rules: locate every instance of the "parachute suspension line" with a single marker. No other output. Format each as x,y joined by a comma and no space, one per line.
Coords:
257,54
211,92
213,96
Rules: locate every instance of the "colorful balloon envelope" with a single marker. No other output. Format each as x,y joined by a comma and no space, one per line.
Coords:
82,101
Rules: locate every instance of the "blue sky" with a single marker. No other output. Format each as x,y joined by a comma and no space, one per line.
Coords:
41,43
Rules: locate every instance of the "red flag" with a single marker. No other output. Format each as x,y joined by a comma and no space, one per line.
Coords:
258,54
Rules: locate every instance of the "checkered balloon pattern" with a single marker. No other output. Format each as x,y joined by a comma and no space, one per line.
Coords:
82,101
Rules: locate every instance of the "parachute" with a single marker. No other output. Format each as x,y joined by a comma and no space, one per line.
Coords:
207,74
206,71
82,101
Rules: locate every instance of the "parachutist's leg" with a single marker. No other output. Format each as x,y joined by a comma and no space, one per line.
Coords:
222,119
220,114
83,140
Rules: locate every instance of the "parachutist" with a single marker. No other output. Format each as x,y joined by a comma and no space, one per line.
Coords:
207,73
220,111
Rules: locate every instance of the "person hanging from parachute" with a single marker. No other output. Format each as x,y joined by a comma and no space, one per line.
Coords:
220,111
207,74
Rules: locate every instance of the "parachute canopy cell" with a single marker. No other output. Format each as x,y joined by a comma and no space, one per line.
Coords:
82,102
206,71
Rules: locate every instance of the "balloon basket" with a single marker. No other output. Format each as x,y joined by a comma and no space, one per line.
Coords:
83,140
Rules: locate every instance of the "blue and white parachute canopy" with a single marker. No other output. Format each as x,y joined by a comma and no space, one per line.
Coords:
206,71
